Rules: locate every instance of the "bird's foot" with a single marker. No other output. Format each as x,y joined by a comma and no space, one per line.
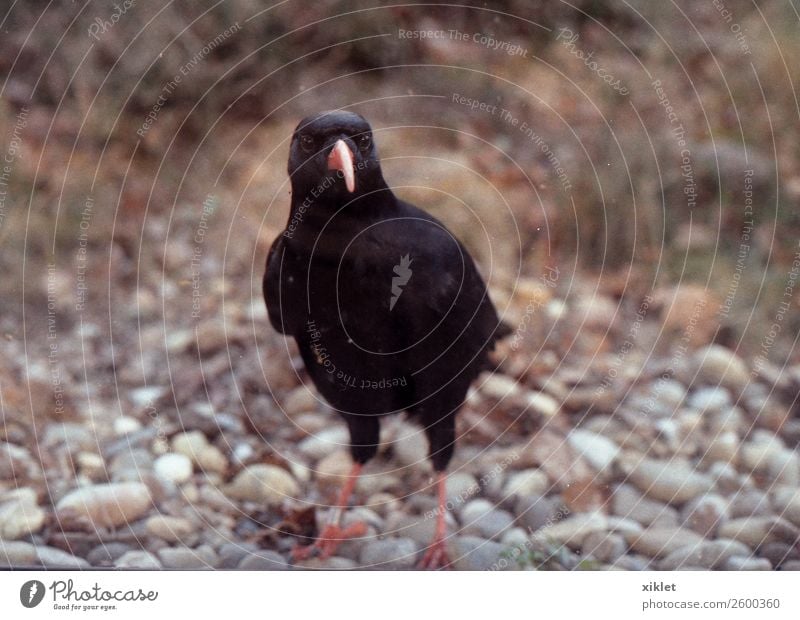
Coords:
435,557
330,538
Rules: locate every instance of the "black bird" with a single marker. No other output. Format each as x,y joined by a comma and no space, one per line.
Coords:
387,307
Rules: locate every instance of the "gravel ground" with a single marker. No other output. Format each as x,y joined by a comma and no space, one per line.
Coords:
145,440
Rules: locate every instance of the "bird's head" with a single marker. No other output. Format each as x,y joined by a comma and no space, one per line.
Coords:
333,155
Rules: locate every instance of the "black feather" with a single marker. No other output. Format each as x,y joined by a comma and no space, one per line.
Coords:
386,305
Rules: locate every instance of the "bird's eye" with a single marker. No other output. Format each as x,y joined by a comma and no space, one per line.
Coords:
307,142
364,142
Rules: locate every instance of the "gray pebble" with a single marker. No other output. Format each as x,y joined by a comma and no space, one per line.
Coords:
104,555
263,560
710,399
187,558
231,553
632,562
535,512
473,553
137,560
389,554
603,546
332,563
778,553
51,557
627,502
739,562
750,503
17,553
480,518
705,514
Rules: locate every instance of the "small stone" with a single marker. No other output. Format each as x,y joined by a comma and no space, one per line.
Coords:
630,504
603,546
232,553
51,557
659,542
332,563
473,553
266,484
716,365
138,560
756,531
17,554
91,465
705,514
631,562
726,479
389,554
242,452
757,452
791,565
421,529
175,467
171,529
707,554
210,459
460,487
600,452
479,517
739,562
784,467
541,403
189,443
300,400
551,451
126,424
621,525
334,468
572,530
514,537
19,514
750,503
185,558
670,392
383,503
778,553
105,505
145,396
105,554
728,420
710,399
535,513
674,481
263,560
410,447
498,386
16,463
786,502
73,436
526,483
723,447
324,442
134,460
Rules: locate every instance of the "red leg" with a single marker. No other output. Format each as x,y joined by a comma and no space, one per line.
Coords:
333,534
436,555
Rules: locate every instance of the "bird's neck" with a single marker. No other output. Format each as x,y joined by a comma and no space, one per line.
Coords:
313,209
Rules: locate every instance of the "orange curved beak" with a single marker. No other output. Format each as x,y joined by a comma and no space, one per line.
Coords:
341,159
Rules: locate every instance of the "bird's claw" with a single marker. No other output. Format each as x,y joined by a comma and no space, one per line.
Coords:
328,542
435,557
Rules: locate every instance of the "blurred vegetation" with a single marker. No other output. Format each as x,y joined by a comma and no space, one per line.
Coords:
224,130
